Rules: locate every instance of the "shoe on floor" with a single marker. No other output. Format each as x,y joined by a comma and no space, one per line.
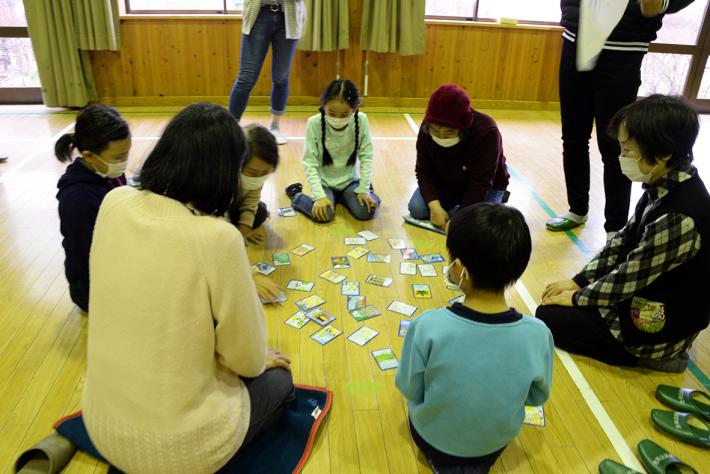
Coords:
566,221
608,466
293,189
675,365
657,460
686,400
280,139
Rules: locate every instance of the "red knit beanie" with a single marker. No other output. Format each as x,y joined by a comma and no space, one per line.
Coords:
449,106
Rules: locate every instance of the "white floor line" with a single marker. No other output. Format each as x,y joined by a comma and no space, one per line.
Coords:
412,123
34,155
393,139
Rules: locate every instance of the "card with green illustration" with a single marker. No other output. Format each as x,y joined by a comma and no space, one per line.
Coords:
355,302
281,259
378,258
351,288
362,336
432,258
385,359
534,416
365,312
402,308
378,280
324,335
358,252
340,262
421,291
300,285
333,277
286,212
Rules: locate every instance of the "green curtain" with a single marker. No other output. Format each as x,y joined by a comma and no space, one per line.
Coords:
393,26
61,32
326,27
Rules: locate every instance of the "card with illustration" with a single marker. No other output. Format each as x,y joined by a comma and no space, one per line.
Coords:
378,280
402,308
298,320
355,241
302,250
300,285
458,299
365,312
378,258
333,277
367,235
340,262
427,270
408,268
534,416
432,258
324,335
358,252
281,259
351,288
409,254
421,291
310,302
286,212
362,336
279,299
355,302
263,268
320,317
397,244
403,327
385,359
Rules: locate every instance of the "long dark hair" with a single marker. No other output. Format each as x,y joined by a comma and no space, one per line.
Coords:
345,90
96,127
197,159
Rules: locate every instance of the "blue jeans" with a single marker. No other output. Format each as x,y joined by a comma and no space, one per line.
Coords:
419,209
269,28
346,197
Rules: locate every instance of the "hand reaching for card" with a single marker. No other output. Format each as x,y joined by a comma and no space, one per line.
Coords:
366,199
275,359
321,209
267,289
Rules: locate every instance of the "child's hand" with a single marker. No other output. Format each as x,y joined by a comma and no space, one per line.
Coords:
267,289
557,288
257,236
275,358
320,209
439,217
366,199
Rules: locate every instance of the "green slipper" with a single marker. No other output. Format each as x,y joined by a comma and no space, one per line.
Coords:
681,399
657,460
561,223
608,466
676,424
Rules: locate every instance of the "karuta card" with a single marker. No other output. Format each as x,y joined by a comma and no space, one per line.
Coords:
362,336
365,312
421,291
310,302
408,268
409,254
432,258
299,285
397,244
302,250
326,334
320,317
355,302
458,299
355,241
286,212
402,308
403,327
367,235
385,359
378,258
263,268
281,259
279,299
333,277
358,252
534,416
298,320
427,270
378,280
340,262
351,288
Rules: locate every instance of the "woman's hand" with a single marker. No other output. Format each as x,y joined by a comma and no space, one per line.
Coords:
275,359
257,236
267,289
556,288
320,209
366,199
439,217
565,298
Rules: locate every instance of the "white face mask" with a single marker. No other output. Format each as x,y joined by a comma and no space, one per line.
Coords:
446,142
630,168
114,169
338,122
463,275
252,183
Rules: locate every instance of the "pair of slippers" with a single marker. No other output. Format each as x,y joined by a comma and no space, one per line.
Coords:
655,459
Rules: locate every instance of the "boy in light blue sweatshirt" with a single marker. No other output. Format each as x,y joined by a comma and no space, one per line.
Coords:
468,370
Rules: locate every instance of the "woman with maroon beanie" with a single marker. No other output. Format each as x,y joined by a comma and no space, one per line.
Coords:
460,158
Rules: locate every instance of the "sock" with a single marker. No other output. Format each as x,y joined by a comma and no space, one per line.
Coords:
575,217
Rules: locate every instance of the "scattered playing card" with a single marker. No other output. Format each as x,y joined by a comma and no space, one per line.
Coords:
385,359
263,268
281,259
299,285
458,299
340,262
367,235
324,335
351,288
432,258
378,258
534,416
310,302
355,302
333,277
321,317
397,244
365,312
279,299
402,308
408,268
302,250
357,252
286,212
378,280
427,270
355,241
421,291
409,254
362,336
298,320
403,327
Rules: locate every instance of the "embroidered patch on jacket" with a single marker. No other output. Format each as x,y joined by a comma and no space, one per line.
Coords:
648,316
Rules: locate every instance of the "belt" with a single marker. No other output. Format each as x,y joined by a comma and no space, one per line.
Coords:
274,7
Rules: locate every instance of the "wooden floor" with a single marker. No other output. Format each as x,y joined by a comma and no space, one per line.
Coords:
595,412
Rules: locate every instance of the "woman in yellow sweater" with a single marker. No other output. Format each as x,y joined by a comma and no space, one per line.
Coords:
179,375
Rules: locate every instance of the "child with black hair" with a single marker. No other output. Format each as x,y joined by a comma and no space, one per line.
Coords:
642,300
338,144
103,140
468,370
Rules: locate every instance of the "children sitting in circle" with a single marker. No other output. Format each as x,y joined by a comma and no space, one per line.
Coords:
103,141
337,158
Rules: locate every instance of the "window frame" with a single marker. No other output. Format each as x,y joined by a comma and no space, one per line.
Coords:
18,95
475,18
223,11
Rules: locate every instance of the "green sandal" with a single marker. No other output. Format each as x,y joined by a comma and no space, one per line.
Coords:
608,466
681,399
561,223
657,460
676,424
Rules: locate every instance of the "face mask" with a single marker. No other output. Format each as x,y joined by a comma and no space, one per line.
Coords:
114,169
338,123
463,275
251,183
446,142
630,168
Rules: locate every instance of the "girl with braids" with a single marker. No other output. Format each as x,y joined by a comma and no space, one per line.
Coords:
337,158
103,140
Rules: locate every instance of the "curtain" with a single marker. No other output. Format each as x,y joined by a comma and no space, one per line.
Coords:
61,32
326,28
393,26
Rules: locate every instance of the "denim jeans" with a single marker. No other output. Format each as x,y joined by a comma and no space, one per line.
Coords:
269,28
419,209
347,197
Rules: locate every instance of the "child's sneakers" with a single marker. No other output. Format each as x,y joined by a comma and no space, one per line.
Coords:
278,136
293,189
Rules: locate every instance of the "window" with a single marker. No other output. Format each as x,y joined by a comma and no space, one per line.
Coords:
184,6
525,11
19,78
